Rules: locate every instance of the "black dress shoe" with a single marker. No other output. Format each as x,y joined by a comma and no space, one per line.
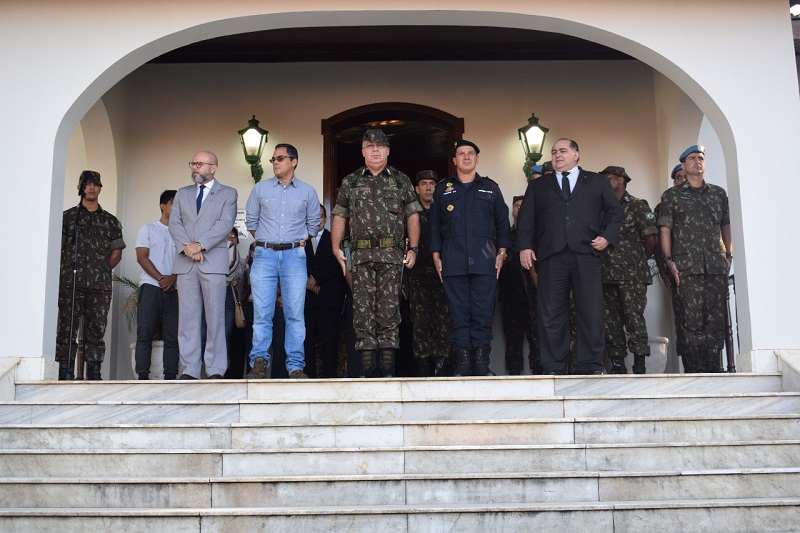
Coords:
214,376
186,377
598,372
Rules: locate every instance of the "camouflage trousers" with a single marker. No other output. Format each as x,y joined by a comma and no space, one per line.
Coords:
701,299
677,311
93,307
429,318
624,313
376,305
533,335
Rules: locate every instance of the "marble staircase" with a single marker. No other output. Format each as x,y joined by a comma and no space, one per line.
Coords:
602,453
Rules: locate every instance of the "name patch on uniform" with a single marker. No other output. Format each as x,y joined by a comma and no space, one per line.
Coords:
481,190
449,190
450,207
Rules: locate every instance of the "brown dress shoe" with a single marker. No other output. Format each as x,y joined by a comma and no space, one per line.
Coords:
214,376
259,370
186,377
298,374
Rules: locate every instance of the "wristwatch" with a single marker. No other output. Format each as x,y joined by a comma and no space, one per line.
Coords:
504,254
414,249
667,258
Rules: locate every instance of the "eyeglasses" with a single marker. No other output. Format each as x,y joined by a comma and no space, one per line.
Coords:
280,158
198,164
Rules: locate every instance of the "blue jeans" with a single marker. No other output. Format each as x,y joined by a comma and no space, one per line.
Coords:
286,268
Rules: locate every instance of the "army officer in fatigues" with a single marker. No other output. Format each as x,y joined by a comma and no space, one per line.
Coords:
626,276
469,238
376,199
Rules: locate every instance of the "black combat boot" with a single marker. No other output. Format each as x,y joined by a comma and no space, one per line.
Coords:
480,364
618,365
367,364
64,371
693,360
93,371
438,366
463,363
387,362
639,366
424,367
688,364
713,362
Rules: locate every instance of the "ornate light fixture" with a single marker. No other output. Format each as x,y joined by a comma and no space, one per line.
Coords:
532,137
253,140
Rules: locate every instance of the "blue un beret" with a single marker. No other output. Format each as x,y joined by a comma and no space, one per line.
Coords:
536,169
697,148
675,170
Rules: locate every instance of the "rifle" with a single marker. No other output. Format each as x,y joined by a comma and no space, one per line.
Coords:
403,265
80,360
729,327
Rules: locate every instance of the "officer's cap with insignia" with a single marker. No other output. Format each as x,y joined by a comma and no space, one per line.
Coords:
675,171
426,175
617,171
464,142
375,136
694,149
90,176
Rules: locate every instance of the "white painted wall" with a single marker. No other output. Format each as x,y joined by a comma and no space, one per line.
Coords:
64,57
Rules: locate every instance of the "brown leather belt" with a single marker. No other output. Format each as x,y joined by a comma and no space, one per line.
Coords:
281,245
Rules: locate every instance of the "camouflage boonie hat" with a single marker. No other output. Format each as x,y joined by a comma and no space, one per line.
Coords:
375,136
90,176
547,166
617,171
426,175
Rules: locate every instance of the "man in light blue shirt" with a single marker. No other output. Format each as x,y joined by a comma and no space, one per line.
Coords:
281,213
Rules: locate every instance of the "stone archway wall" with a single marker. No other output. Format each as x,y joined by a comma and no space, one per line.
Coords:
62,63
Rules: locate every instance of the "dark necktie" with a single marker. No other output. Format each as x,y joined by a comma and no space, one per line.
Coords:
200,197
565,184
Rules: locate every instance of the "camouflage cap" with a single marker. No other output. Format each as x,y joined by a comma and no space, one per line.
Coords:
375,136
90,176
464,142
696,148
675,170
617,171
547,166
426,175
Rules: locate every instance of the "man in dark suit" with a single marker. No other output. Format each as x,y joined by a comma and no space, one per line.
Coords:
324,300
566,221
202,216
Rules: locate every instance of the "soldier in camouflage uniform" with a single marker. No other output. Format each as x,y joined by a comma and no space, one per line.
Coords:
428,306
376,199
100,247
696,243
678,176
626,276
512,291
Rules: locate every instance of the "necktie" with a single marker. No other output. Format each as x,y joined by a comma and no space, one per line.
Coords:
565,184
200,197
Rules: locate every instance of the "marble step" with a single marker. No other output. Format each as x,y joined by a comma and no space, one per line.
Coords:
405,460
504,387
269,411
406,489
710,515
396,434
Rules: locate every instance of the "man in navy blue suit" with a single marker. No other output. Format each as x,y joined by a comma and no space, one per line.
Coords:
567,219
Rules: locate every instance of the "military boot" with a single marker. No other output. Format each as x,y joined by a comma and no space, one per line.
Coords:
688,366
367,364
693,360
438,366
639,366
64,371
618,365
424,367
713,362
463,363
387,362
480,365
93,371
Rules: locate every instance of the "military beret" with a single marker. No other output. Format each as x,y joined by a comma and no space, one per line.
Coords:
536,169
376,136
675,171
90,176
516,199
464,142
617,171
547,166
697,148
426,175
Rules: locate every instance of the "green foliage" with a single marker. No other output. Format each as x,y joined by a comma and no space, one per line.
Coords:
131,304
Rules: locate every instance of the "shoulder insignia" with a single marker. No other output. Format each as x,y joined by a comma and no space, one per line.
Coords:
450,207
650,216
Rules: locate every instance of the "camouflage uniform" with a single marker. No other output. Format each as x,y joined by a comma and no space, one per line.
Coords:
534,358
677,310
695,216
428,306
100,233
513,298
626,275
376,207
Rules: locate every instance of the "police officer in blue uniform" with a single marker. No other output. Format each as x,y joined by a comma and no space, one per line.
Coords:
469,234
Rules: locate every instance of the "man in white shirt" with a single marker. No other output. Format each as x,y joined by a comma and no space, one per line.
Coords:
158,297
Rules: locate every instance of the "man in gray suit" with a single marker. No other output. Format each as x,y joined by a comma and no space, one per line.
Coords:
202,216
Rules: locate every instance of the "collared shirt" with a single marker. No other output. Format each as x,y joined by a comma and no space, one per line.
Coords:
208,186
572,176
282,213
